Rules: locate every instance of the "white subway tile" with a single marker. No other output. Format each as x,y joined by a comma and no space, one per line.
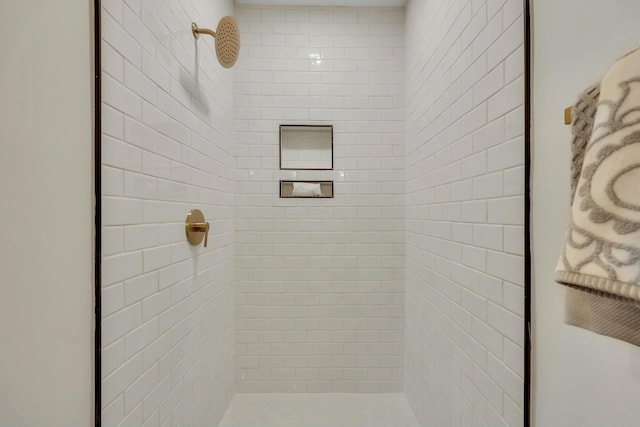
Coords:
140,236
489,389
514,123
113,61
514,66
112,240
157,395
156,304
488,337
134,394
488,35
121,98
137,339
119,211
514,181
155,258
506,266
117,37
474,165
140,84
120,155
494,417
133,25
488,186
473,303
474,349
140,135
508,42
112,299
120,379
120,323
508,211
513,357
507,99
506,155
474,28
493,6
514,240
140,287
113,413
112,357
488,236
474,211
513,413
112,122
475,258
507,323
116,268
506,379
489,85
112,181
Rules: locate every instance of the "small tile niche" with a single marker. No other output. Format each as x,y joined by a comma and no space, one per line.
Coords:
324,189
306,147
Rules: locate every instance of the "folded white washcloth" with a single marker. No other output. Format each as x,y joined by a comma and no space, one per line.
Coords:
306,189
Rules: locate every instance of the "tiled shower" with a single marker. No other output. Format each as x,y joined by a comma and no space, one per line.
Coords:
319,283
409,280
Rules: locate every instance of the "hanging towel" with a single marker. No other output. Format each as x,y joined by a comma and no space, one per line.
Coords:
306,189
600,262
583,112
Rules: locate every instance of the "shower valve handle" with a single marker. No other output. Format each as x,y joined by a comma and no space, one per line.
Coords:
196,228
200,227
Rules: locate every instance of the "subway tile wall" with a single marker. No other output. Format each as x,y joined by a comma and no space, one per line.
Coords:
465,212
167,147
319,283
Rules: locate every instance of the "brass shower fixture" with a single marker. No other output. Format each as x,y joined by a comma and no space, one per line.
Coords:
227,40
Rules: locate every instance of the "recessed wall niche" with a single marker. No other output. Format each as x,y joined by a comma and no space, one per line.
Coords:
324,189
306,147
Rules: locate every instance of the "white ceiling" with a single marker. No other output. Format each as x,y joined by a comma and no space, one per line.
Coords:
350,3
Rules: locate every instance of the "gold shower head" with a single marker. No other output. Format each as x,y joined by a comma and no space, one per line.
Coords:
227,40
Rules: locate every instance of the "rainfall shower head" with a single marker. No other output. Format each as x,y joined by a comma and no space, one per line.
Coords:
227,40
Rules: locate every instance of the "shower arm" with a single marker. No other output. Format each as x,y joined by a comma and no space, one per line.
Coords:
197,31
227,40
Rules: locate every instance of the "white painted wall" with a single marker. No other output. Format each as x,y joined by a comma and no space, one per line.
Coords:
168,142
580,378
46,212
319,282
464,158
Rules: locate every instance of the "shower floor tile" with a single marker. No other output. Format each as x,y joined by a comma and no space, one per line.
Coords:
319,410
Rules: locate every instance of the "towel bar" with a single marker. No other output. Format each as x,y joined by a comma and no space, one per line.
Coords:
568,116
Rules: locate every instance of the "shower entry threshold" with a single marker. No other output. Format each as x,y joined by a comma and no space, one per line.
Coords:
318,410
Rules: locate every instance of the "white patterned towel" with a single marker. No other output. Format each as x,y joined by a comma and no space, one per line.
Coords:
602,250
